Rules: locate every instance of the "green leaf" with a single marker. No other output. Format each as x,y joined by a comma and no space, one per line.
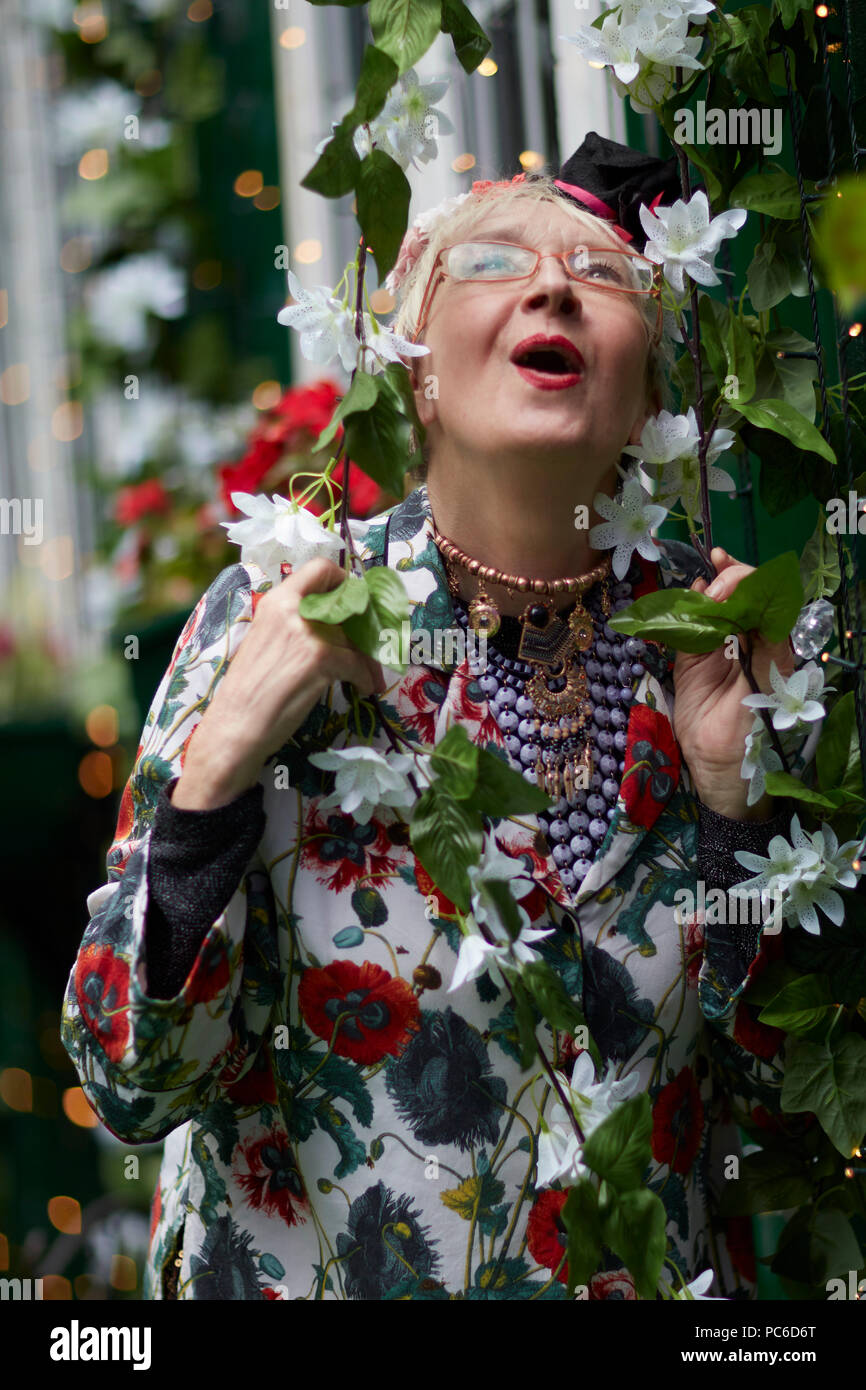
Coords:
774,193
388,608
378,75
405,29
819,564
710,313
801,1007
767,600
525,1019
768,1181
456,759
768,277
635,1230
396,382
841,956
686,621
335,606
551,997
827,1079
785,476
469,39
816,1245
377,440
447,839
582,1221
840,242
363,392
383,207
789,9
501,791
839,744
506,906
740,353
785,420
336,169
783,784
619,1149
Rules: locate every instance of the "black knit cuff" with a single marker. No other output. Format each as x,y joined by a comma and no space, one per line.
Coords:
718,837
195,863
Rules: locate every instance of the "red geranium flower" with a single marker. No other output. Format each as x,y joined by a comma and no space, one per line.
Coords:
140,499
678,1122
545,1234
652,765
102,989
272,1182
378,1012
292,427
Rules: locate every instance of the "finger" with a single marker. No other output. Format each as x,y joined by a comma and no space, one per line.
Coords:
699,584
726,582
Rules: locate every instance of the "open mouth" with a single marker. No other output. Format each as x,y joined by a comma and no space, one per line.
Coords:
548,363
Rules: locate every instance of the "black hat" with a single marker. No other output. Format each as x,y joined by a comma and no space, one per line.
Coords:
612,181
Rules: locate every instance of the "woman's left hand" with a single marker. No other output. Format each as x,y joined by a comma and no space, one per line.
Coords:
710,722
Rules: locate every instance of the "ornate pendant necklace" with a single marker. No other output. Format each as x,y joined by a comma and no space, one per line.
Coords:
556,686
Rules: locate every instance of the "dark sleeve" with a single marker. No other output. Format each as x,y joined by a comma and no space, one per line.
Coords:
718,838
195,863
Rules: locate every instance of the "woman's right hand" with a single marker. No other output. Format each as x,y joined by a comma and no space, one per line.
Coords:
283,666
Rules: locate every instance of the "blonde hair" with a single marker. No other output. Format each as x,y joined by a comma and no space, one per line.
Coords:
535,189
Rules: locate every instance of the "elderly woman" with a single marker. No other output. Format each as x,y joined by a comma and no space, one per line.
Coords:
265,978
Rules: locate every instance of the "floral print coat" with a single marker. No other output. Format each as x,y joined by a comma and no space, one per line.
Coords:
396,1159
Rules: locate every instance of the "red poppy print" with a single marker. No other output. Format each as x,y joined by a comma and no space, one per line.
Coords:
678,1122
419,699
613,1284
652,765
125,815
341,852
472,709
444,906
693,946
210,974
377,1012
102,988
546,1236
758,1038
257,1087
155,1213
267,1172
738,1238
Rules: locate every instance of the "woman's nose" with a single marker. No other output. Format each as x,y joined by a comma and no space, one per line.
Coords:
551,286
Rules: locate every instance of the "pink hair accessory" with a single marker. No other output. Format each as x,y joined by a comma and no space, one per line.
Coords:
596,205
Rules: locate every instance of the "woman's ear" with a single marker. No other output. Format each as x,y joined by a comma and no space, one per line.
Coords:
425,386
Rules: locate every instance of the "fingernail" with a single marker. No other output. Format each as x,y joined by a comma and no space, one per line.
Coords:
715,589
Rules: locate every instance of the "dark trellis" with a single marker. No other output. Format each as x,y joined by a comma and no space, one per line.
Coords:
850,615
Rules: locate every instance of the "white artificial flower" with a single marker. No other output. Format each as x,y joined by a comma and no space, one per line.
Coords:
804,872
560,1152
477,951
408,124
670,443
327,330
697,1290
635,40
278,532
326,326
627,526
120,298
366,779
693,10
760,758
684,238
387,346
793,701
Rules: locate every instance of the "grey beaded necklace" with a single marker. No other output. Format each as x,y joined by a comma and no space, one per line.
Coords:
613,664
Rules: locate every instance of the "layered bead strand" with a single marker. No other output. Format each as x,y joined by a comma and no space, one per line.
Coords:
578,822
